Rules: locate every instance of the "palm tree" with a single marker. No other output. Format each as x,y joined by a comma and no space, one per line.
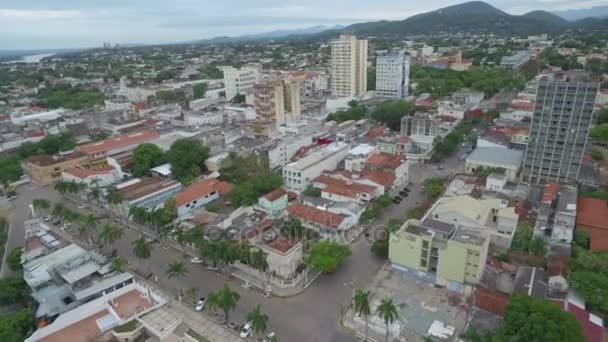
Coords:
244,251
118,263
258,260
59,210
361,306
224,299
94,194
191,295
258,319
388,312
114,198
41,204
196,236
87,221
110,233
181,237
177,269
142,250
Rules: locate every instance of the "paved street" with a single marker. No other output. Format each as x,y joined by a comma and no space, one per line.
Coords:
311,316
19,213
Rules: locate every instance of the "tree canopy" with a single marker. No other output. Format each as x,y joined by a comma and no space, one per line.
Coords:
50,144
199,90
247,193
391,112
187,158
444,82
326,256
530,319
356,112
66,96
10,169
16,326
145,157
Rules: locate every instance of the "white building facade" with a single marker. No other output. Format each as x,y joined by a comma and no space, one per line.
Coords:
240,80
298,175
393,75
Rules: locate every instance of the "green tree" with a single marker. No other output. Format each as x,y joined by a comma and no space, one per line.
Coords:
599,132
356,112
13,291
13,259
118,264
362,307
326,256
199,90
177,269
258,319
10,169
110,233
592,287
248,192
17,326
388,312
145,157
391,112
225,299
41,204
433,187
368,215
86,223
581,238
312,191
142,250
187,158
191,295
259,260
530,319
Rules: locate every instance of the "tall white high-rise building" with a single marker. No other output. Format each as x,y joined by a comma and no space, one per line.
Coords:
393,75
348,66
240,80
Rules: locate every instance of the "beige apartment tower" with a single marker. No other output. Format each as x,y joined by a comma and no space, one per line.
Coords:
348,66
276,101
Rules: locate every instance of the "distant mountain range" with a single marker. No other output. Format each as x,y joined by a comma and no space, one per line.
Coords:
274,34
579,14
469,17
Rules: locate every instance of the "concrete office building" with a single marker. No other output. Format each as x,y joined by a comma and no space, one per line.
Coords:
563,115
348,66
393,75
240,80
516,60
298,175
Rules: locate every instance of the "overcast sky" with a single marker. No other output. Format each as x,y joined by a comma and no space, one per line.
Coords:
34,24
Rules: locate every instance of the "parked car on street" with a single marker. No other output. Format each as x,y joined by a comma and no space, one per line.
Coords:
246,330
269,337
397,200
196,261
200,304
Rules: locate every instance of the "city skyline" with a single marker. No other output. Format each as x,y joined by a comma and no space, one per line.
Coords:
68,24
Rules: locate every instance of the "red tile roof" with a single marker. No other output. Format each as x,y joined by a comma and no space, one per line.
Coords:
200,189
82,173
592,216
275,194
146,187
380,177
282,244
318,216
47,160
491,301
118,142
385,160
550,192
343,187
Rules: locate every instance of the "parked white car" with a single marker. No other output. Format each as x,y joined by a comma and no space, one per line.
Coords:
246,330
200,304
270,337
196,261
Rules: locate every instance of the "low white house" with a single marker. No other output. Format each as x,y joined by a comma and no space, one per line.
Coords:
283,256
200,194
104,176
495,157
